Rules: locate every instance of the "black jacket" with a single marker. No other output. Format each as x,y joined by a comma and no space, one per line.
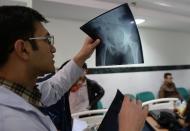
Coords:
60,113
95,93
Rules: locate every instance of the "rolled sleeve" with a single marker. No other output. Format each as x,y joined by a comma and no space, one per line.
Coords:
54,88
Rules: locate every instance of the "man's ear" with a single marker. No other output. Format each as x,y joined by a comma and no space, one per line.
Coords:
22,49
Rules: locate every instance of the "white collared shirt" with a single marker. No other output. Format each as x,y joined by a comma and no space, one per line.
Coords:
18,115
79,100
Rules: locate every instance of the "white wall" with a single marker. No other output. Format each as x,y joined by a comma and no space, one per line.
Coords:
68,38
137,82
160,47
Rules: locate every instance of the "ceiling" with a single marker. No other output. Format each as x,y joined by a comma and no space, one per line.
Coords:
163,14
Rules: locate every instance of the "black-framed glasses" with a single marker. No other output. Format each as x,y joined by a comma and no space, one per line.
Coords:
48,38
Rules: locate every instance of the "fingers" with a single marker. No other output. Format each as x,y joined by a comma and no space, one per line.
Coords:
135,106
135,102
96,43
132,115
88,40
126,99
145,111
93,43
126,102
139,102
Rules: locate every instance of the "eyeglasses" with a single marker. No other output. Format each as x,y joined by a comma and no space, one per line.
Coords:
49,39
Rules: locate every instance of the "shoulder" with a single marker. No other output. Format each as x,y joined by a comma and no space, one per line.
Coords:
173,84
11,113
19,120
14,117
163,86
92,83
89,81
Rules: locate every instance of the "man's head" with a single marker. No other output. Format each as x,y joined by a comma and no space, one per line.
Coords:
24,40
168,78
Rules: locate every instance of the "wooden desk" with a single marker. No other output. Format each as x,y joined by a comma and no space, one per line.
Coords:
154,124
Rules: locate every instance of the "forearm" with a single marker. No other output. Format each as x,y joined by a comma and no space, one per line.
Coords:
79,60
54,88
86,51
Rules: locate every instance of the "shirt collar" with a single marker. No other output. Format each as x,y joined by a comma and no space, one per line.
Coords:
33,97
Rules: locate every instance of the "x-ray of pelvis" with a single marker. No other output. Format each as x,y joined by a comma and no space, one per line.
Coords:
120,40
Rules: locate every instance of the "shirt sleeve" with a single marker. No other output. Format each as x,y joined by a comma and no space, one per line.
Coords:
54,88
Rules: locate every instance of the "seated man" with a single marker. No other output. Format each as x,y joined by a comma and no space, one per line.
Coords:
168,88
85,94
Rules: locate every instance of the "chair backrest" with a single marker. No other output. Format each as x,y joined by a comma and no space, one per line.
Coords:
163,103
100,105
131,96
145,96
183,92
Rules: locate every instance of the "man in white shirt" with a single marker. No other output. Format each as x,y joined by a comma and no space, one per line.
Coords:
85,94
26,51
78,99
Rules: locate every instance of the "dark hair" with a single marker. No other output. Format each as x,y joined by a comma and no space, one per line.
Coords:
85,66
167,74
63,64
16,22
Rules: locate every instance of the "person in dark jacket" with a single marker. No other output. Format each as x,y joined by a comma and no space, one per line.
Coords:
85,94
168,88
95,93
59,112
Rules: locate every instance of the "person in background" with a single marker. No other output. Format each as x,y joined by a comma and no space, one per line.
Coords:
168,88
59,112
85,94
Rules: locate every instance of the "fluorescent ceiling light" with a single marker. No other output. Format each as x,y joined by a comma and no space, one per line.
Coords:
139,21
163,4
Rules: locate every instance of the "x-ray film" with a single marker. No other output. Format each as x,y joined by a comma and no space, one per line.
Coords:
120,40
